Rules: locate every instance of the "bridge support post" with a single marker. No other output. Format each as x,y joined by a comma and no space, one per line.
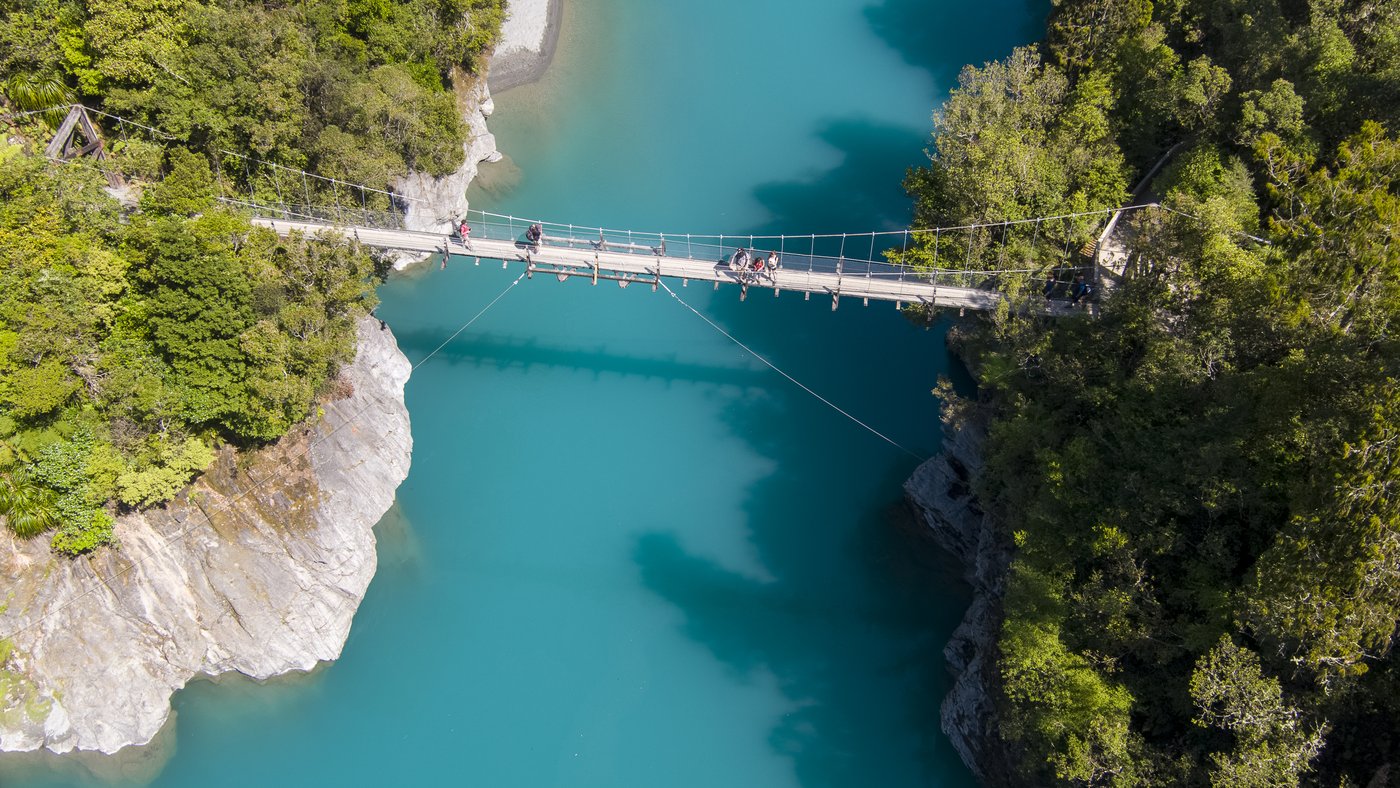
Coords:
835,298
743,292
807,296
716,284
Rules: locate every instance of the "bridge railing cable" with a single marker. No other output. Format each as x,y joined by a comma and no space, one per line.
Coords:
877,255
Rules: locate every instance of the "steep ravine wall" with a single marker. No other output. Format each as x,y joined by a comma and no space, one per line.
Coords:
941,491
257,569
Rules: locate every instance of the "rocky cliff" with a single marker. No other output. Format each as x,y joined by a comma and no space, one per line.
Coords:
434,204
257,569
941,490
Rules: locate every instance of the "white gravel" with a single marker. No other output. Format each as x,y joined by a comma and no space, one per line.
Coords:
524,30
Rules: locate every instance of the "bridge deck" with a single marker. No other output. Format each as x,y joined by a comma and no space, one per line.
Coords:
634,265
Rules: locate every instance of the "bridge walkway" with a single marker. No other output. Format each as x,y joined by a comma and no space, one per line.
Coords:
629,262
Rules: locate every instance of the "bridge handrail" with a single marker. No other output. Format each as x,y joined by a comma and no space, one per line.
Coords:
513,231
526,222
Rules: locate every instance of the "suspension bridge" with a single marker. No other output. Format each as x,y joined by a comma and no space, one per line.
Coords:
628,257
870,266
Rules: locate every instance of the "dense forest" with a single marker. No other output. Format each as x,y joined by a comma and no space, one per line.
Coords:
1201,483
141,327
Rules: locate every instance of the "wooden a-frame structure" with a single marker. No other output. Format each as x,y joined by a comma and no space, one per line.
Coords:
78,136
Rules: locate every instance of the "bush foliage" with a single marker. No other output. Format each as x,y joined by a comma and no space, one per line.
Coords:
128,348
132,343
1202,484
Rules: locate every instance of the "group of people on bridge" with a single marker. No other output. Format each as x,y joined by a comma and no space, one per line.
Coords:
752,265
1080,290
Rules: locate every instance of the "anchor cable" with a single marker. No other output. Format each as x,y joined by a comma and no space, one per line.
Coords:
468,324
800,384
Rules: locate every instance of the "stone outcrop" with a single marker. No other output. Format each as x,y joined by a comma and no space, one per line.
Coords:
258,569
941,491
434,204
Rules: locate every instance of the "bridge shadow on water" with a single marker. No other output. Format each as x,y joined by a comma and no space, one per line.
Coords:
857,605
523,353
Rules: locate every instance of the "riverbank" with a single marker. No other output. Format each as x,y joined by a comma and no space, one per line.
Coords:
527,43
941,491
257,569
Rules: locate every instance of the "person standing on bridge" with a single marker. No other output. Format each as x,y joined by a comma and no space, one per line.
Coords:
1050,283
534,234
464,231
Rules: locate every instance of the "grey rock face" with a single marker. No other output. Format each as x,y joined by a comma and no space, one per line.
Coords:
941,490
258,569
435,204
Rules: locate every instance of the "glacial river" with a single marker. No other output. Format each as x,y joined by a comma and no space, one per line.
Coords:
628,554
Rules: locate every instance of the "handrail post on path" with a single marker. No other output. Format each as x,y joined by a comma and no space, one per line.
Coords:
840,266
870,262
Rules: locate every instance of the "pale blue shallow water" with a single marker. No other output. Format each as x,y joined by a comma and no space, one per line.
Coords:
627,553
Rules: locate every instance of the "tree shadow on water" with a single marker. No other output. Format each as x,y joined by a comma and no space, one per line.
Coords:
940,37
861,193
850,623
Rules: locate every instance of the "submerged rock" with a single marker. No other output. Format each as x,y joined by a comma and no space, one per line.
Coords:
258,569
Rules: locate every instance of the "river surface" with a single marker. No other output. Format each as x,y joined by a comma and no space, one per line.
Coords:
629,554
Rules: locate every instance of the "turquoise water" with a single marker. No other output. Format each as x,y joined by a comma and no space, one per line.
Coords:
628,554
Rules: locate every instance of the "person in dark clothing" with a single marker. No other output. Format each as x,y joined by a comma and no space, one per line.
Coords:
1080,291
1050,283
534,234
